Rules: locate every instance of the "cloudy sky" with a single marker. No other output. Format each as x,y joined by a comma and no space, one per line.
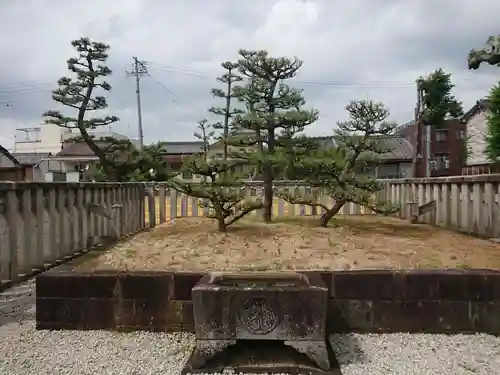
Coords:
353,49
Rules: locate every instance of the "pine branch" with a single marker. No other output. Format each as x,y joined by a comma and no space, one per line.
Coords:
341,172
307,200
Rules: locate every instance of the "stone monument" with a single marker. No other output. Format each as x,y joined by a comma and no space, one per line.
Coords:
284,306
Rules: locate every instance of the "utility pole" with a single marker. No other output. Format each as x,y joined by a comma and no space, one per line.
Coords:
417,156
428,156
139,69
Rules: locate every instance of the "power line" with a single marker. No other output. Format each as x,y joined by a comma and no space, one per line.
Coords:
312,84
28,83
33,87
10,105
138,70
336,83
376,84
168,92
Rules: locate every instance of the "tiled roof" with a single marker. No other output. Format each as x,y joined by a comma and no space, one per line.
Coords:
81,148
30,158
402,148
76,149
187,147
399,129
480,105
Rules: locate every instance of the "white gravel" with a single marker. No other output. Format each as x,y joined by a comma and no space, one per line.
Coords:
25,351
419,354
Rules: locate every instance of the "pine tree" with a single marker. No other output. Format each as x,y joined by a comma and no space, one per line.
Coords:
227,111
119,160
222,188
274,116
134,165
222,192
439,103
79,94
489,54
343,172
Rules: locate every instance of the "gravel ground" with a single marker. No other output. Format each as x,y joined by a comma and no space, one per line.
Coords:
25,351
420,354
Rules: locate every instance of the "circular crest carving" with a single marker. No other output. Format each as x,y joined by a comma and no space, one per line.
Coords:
259,316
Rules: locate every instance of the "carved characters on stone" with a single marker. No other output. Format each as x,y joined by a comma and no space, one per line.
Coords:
259,316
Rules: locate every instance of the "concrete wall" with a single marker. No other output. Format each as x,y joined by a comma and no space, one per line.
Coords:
50,141
476,131
42,223
369,301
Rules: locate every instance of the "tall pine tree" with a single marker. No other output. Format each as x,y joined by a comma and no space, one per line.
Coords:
228,112
79,94
275,116
119,160
436,105
222,188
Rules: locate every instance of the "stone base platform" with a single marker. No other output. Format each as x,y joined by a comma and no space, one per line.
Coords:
260,357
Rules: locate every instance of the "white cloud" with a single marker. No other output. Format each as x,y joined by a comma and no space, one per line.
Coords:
351,50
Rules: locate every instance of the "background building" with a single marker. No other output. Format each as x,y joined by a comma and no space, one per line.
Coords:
447,147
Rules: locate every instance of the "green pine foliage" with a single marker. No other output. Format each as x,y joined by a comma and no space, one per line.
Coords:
489,53
439,103
132,165
273,119
221,186
493,122
119,160
343,172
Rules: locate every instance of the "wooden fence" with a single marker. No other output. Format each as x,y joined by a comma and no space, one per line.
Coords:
42,224
170,204
468,204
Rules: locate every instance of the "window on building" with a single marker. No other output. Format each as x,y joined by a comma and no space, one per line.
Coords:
187,175
385,171
461,134
442,161
441,136
28,135
368,171
82,168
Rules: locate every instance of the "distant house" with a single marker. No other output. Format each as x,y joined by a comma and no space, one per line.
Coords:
43,139
394,164
75,158
177,152
475,120
39,159
447,147
14,168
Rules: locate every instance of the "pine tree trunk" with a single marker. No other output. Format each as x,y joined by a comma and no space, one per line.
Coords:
268,195
221,225
327,216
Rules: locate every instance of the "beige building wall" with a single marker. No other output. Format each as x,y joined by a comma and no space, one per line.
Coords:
476,133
